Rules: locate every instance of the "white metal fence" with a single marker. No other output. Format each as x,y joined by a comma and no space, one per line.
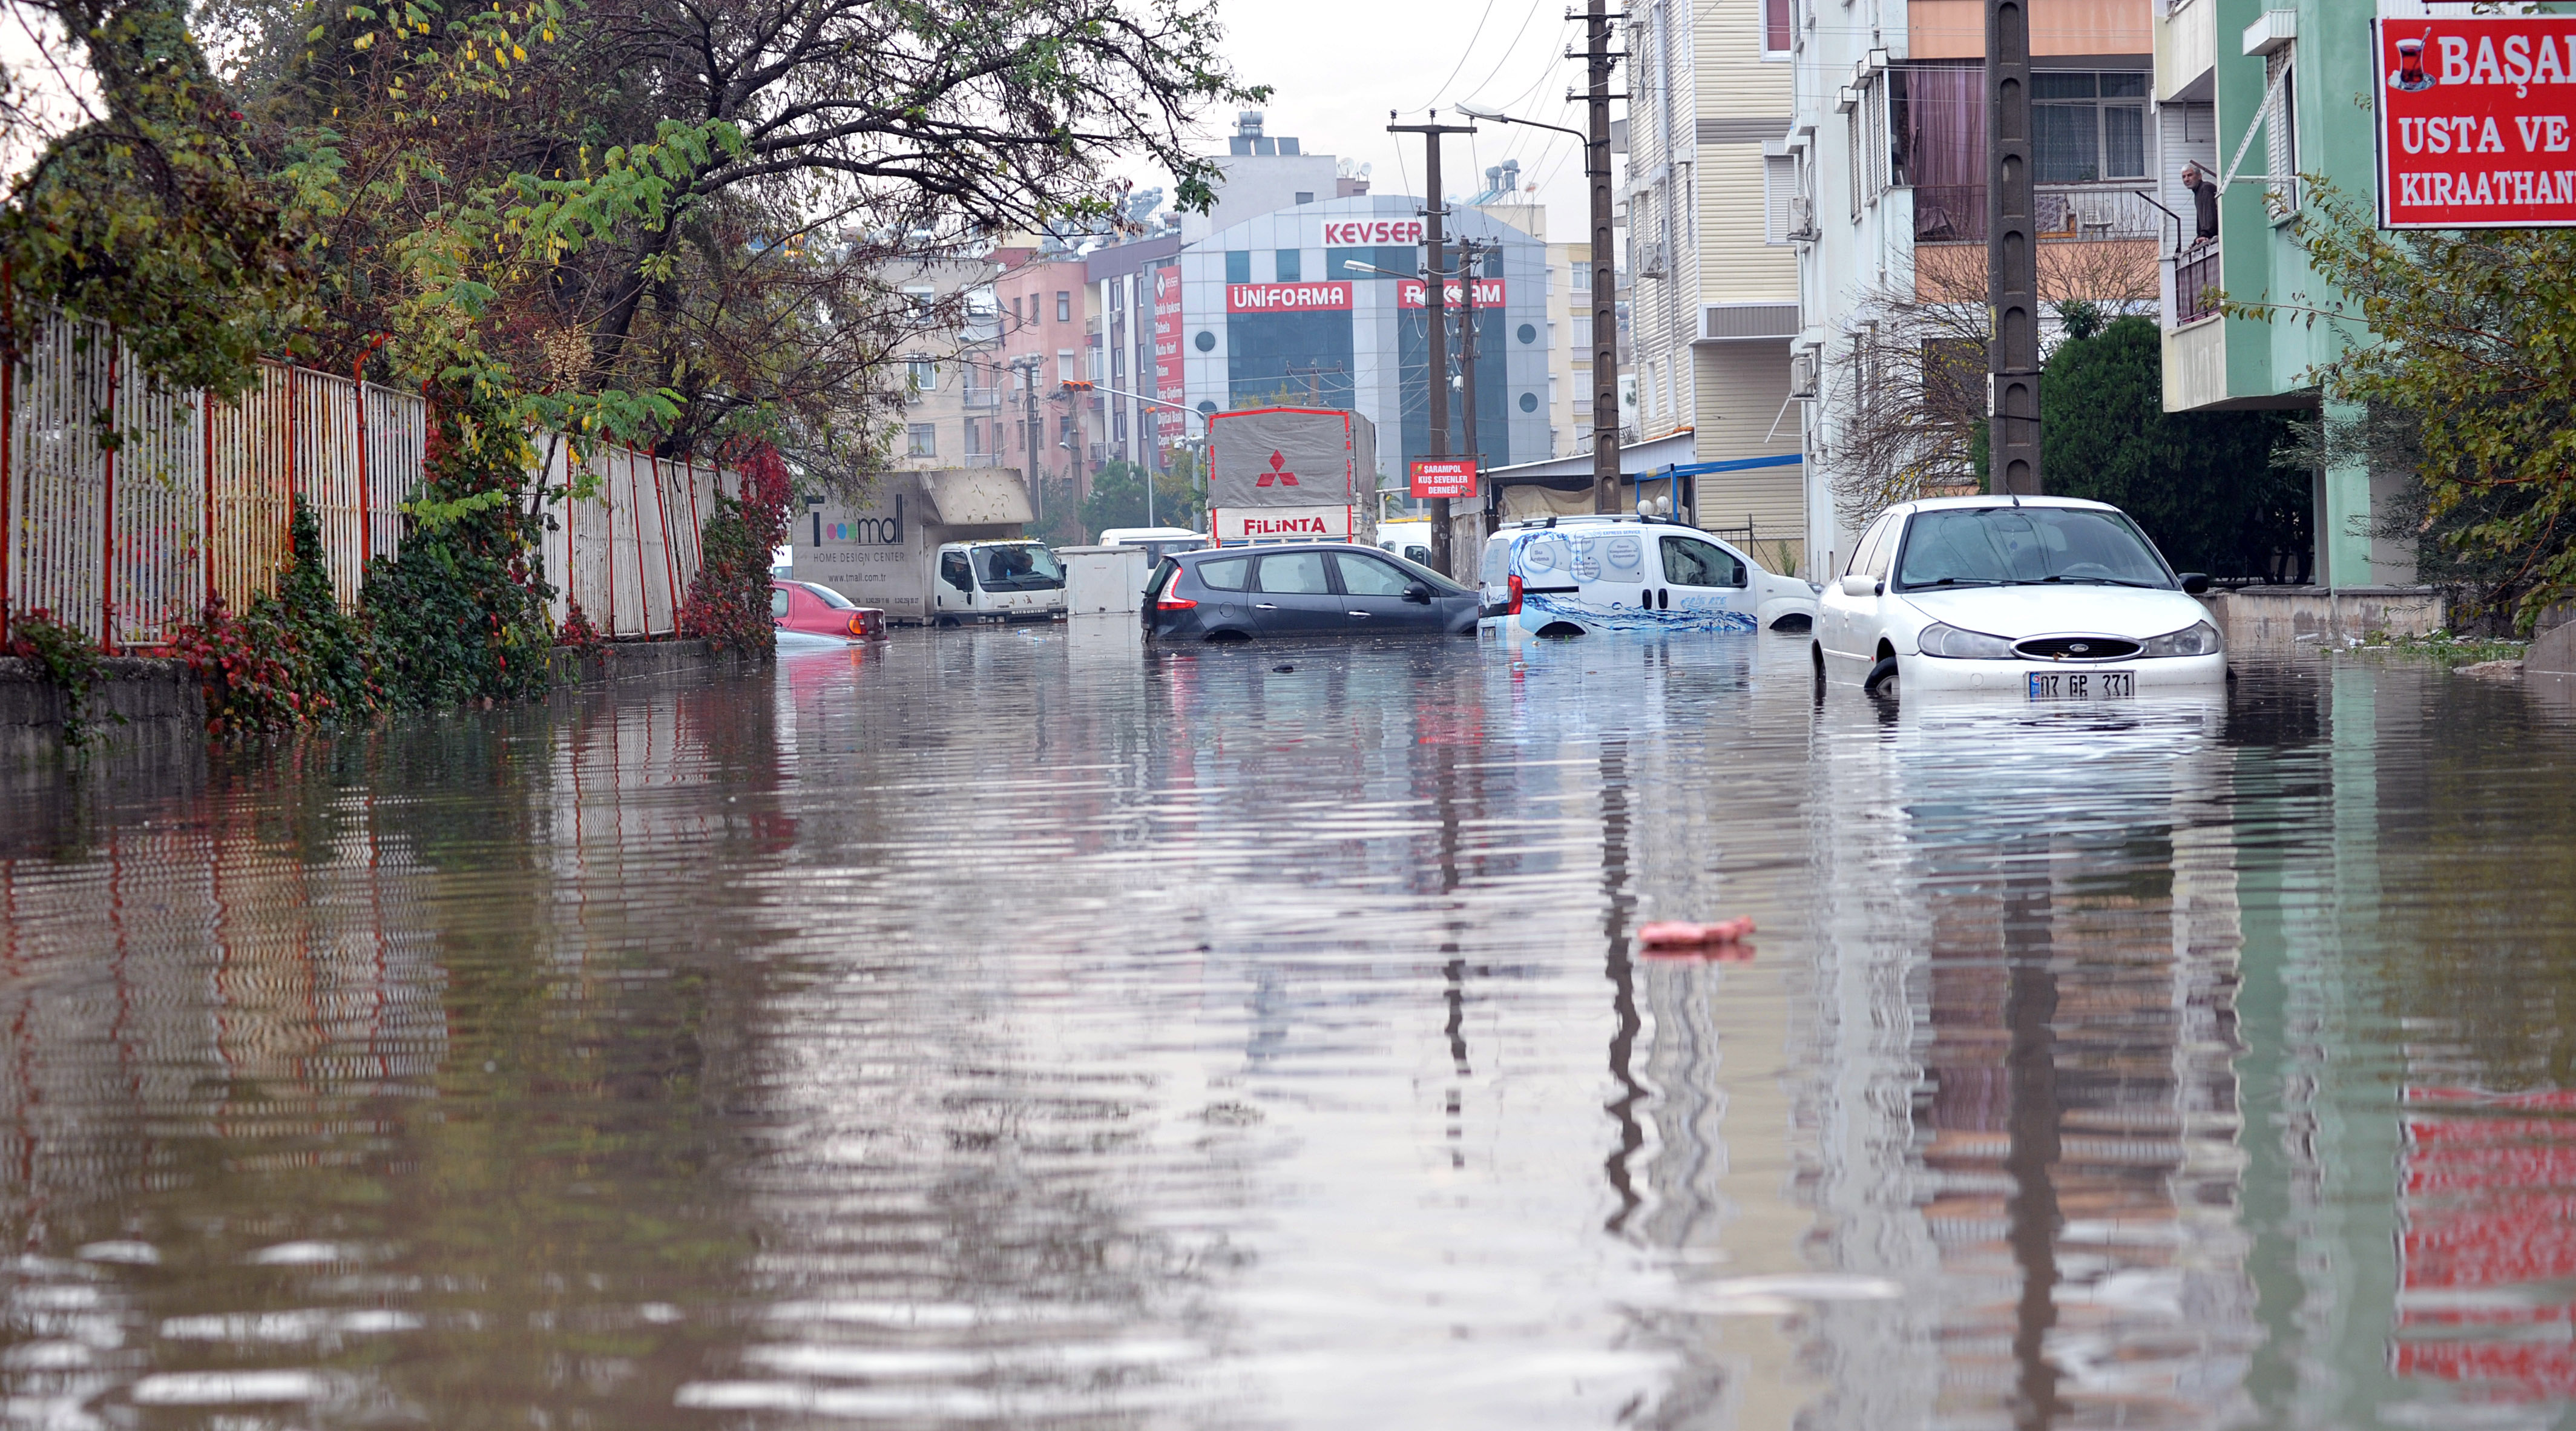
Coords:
191,496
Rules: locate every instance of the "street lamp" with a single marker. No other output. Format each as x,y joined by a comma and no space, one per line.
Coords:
1605,294
1084,385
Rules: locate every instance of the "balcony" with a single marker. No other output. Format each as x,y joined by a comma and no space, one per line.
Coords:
982,397
2195,279
1956,213
2186,51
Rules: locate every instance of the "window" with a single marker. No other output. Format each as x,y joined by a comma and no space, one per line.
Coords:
954,571
1063,306
1779,186
1224,573
1292,574
1362,576
925,439
975,437
921,296
1065,371
1305,196
1393,259
2281,140
1691,562
830,598
778,603
1238,265
2088,128
923,373
1855,139
1289,265
1776,30
1583,276
1067,433
1862,549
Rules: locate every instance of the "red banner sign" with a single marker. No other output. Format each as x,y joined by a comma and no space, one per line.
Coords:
1444,477
1371,233
1287,297
2477,122
1169,382
1414,293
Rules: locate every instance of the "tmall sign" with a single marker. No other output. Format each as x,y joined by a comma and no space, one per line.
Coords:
2477,121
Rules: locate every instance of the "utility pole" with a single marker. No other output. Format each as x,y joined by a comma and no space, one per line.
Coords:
1028,370
2012,255
1598,57
1468,252
1435,296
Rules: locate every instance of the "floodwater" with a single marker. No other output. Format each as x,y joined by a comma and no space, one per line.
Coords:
1018,1028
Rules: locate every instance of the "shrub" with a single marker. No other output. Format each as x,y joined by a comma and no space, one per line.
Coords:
728,601
68,659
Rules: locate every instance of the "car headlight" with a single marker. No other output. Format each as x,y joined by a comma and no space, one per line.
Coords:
1949,641
2198,639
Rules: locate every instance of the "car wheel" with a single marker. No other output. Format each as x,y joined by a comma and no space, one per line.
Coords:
1882,679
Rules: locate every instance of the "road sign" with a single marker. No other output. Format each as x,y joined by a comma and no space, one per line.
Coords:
1444,477
2477,116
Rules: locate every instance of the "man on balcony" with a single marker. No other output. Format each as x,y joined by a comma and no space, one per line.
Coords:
2204,205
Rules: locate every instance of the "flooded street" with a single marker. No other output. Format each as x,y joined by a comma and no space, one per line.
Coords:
1017,1027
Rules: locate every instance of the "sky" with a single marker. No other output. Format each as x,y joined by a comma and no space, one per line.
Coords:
1338,66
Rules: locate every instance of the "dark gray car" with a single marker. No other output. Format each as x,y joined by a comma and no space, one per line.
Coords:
1308,589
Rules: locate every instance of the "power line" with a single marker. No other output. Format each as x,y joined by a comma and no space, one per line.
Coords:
1463,56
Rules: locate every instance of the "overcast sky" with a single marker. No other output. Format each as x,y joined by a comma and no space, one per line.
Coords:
1338,66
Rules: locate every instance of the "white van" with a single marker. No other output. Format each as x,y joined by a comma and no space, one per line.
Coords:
1407,538
1572,576
1158,542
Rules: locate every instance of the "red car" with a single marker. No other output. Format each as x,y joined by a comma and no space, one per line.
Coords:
803,608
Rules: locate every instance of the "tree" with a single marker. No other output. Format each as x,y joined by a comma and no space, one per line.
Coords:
2461,348
1909,386
1118,499
2203,485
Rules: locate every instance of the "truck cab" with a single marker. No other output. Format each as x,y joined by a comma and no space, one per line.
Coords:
1008,580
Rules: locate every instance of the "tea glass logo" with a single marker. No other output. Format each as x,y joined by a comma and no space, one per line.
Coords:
1278,473
2410,74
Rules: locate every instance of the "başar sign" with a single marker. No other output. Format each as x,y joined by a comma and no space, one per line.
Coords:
2477,121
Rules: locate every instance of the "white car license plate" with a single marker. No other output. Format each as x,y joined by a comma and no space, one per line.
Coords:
2083,685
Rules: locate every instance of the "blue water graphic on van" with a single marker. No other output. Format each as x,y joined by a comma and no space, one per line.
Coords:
1537,609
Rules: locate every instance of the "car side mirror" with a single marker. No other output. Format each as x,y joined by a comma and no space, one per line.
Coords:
1860,583
2194,583
1418,594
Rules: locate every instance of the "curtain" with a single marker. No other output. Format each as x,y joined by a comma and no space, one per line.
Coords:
1945,138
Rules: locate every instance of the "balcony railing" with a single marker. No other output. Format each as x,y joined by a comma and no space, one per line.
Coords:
984,397
2195,280
1956,213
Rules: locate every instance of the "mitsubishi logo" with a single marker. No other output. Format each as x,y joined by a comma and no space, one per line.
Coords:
1278,472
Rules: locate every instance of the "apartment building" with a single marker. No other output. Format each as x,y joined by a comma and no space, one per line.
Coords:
1880,188
950,416
1131,344
1043,294
1714,290
2259,93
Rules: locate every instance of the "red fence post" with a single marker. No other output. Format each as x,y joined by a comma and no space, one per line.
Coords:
608,505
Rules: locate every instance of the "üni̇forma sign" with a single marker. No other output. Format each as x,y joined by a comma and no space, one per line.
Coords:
1451,477
2477,122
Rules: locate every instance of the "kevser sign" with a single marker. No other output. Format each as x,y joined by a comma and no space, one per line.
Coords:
2477,121
1371,233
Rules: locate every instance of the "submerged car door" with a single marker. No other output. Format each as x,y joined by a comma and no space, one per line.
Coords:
1705,586
1292,595
1373,596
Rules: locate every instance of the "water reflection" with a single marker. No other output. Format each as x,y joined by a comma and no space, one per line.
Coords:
1023,1027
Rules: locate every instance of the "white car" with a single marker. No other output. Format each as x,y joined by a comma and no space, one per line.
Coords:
2042,598
1410,540
1572,576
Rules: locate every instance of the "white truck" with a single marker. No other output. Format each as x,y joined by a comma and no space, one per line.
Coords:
941,548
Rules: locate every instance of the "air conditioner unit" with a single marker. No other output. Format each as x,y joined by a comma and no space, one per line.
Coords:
1805,372
1802,218
1650,259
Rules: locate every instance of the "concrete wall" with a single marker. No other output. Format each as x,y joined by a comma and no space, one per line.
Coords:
2280,618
